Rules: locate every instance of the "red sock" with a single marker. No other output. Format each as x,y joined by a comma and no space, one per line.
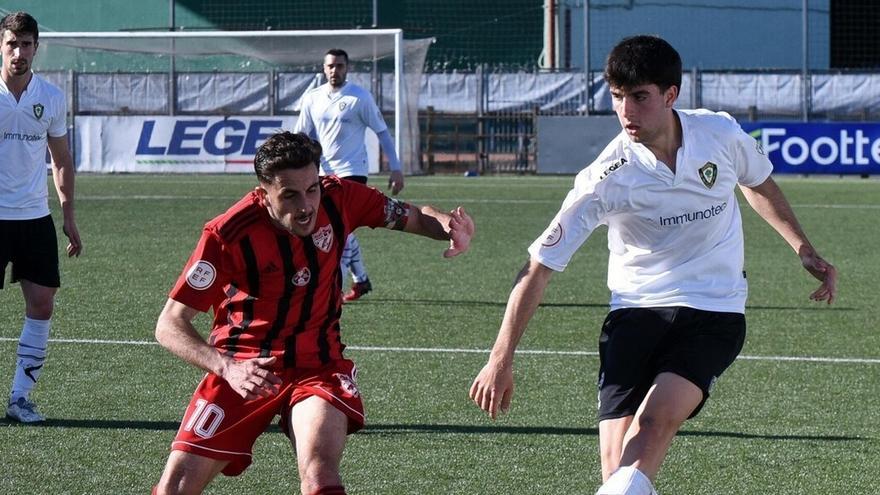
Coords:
331,490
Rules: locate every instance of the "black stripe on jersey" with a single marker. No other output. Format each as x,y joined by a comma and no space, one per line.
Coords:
334,308
306,310
231,229
247,306
335,220
286,254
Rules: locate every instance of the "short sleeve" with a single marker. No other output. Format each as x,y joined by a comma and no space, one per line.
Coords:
201,284
58,124
304,122
752,165
580,214
366,206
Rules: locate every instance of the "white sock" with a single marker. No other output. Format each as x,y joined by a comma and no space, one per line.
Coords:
627,480
31,355
356,263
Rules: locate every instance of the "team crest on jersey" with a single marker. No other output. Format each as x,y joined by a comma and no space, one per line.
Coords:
347,384
38,111
554,235
323,238
708,174
342,105
201,275
302,277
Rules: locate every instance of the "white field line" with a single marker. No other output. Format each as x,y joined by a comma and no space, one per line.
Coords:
807,359
169,197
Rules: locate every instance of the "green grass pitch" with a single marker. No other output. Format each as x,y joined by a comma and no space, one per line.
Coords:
774,424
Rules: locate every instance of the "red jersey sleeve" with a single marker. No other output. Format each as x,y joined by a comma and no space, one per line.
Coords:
366,206
201,284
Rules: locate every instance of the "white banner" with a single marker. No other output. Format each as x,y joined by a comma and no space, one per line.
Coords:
182,144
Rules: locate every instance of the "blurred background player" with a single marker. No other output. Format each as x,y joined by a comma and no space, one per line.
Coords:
337,114
270,269
665,188
33,116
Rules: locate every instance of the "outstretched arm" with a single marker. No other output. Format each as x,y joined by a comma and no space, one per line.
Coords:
63,176
769,202
456,226
250,378
493,387
395,181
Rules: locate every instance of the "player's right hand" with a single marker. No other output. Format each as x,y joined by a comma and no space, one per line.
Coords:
493,388
461,231
252,378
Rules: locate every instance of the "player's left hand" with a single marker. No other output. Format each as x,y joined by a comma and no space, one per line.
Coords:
74,247
824,272
395,182
461,231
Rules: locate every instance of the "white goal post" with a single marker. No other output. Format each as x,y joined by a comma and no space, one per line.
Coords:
181,51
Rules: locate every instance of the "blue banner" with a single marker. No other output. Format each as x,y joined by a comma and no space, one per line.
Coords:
819,148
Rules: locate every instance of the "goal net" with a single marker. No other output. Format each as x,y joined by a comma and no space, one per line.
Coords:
234,72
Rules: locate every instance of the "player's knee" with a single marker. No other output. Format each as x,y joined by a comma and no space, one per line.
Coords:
40,307
169,488
40,312
176,482
657,425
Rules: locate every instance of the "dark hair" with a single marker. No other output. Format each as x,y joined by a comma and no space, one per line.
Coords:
283,151
643,59
20,23
337,52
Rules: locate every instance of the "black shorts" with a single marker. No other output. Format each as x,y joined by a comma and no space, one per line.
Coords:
32,248
637,344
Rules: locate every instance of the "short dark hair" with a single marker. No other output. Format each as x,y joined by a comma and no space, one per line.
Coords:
643,59
337,52
285,150
20,23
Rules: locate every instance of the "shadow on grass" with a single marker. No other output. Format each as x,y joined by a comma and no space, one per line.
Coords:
466,302
502,304
405,429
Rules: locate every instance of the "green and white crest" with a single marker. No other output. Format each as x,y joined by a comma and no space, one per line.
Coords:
708,174
38,111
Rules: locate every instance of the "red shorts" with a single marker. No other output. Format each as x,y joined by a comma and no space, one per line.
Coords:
220,424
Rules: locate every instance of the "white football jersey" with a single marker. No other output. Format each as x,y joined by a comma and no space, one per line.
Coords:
339,121
24,128
675,239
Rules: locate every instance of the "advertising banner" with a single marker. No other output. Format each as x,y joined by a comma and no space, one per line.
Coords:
819,148
181,144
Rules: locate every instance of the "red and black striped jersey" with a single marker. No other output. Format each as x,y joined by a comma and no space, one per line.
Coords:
275,293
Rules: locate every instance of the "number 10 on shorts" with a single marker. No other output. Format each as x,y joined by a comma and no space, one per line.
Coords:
206,418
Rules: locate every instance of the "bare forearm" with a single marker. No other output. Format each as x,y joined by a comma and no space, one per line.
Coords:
182,340
768,201
63,172
64,186
528,290
429,222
